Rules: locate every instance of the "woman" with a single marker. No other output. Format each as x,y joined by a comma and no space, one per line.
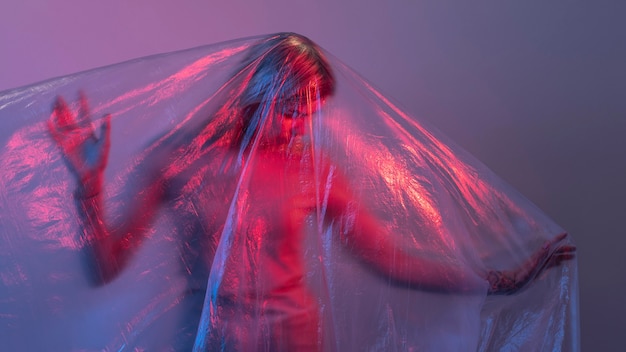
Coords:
261,158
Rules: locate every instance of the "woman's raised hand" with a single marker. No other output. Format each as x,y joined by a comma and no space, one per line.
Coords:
86,154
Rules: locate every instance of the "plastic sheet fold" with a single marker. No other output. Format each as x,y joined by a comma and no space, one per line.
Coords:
260,195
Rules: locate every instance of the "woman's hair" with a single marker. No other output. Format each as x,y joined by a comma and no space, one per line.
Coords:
283,66
285,69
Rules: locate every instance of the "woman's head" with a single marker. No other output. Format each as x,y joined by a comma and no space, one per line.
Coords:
283,77
289,78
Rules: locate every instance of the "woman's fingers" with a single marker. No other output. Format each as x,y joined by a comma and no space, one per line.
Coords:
67,133
104,142
561,255
555,240
84,119
544,258
565,249
63,115
67,129
52,128
560,236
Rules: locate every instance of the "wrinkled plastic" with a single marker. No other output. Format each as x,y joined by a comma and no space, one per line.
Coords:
296,237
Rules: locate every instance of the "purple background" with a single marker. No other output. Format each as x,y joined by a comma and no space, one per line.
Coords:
535,89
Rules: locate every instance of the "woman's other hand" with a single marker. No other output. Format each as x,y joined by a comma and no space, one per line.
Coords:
86,154
551,254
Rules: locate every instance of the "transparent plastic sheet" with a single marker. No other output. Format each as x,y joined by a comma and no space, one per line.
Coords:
302,217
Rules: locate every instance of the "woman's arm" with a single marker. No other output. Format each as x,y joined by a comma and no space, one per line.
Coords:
87,157
375,246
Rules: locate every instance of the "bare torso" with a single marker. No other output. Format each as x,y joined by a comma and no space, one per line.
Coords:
263,289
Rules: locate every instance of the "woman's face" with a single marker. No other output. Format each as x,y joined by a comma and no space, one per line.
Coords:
291,120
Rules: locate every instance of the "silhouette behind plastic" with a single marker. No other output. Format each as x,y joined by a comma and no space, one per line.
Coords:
253,196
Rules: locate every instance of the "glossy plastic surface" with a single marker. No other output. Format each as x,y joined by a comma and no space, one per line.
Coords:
249,204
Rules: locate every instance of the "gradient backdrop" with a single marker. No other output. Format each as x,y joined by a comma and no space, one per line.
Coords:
535,89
